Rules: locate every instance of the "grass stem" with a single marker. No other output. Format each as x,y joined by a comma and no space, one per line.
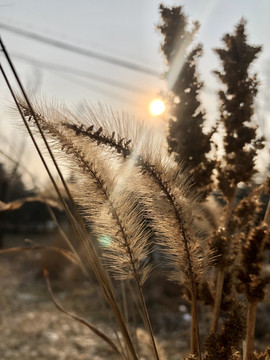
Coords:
251,321
194,336
76,223
221,271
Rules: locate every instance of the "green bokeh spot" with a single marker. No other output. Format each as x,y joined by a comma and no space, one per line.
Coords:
105,240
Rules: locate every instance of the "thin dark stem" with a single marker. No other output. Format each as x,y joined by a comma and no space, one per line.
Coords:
67,254
218,298
141,162
221,271
37,124
195,337
267,214
95,263
251,321
78,318
32,138
132,261
66,239
146,315
137,281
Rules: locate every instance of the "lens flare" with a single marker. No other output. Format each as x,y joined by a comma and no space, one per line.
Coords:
157,107
105,240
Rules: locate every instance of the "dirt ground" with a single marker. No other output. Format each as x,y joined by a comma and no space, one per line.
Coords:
31,328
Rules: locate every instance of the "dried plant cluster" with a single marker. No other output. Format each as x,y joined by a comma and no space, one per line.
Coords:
187,114
135,197
138,200
239,242
127,185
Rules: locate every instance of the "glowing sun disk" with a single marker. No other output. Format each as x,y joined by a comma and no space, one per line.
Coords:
157,107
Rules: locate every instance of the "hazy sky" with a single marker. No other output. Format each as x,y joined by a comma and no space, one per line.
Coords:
126,30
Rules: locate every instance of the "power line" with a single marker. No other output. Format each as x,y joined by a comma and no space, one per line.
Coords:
77,72
82,51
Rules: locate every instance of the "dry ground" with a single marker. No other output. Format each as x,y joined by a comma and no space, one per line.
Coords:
31,328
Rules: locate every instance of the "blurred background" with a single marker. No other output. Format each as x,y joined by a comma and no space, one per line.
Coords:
109,52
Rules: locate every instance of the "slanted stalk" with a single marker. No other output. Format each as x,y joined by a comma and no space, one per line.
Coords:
221,271
251,321
194,329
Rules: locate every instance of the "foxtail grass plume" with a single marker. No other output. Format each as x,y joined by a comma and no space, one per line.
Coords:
127,179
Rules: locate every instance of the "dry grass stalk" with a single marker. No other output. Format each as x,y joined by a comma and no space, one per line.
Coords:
17,204
253,282
128,250
78,225
163,175
127,177
251,321
221,270
34,247
78,318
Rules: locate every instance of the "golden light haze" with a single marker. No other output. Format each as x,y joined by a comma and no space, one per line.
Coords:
157,107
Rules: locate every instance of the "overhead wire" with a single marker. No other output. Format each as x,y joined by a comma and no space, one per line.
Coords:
82,51
78,72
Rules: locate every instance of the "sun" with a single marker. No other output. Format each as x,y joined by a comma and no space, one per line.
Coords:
157,107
